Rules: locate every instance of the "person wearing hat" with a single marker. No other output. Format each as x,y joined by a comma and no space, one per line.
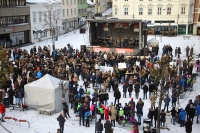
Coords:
117,95
188,126
99,126
65,108
61,121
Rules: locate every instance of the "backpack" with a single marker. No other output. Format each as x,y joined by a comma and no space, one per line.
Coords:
19,94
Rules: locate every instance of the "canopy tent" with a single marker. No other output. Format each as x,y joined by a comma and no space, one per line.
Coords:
152,42
44,93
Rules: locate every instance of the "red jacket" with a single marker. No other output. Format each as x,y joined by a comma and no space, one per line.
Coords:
2,109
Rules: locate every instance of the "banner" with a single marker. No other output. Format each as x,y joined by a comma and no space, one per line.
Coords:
98,49
136,27
121,65
104,69
123,50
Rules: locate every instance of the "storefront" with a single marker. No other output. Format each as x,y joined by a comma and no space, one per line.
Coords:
13,36
181,29
190,29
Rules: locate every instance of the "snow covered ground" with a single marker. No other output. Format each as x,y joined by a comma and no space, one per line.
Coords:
41,123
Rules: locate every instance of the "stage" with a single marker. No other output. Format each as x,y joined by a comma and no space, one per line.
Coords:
120,36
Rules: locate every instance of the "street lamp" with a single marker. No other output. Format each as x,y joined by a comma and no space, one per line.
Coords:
96,88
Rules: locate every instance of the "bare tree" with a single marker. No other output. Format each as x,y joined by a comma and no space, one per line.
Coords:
51,18
161,74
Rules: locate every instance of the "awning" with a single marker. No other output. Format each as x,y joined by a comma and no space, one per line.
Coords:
150,25
36,30
165,24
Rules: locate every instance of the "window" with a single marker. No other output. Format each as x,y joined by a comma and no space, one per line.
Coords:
115,10
159,10
43,34
67,12
125,0
67,2
63,2
40,16
71,12
74,11
141,0
45,15
126,11
63,12
35,35
168,10
74,2
150,0
149,11
34,17
71,2
199,18
140,11
182,10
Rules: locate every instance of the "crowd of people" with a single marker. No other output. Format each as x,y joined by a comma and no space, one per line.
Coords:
75,66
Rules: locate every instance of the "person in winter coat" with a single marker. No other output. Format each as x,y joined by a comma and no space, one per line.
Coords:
162,118
197,101
188,126
131,103
137,89
167,100
173,114
125,87
130,89
145,90
132,115
168,119
150,114
61,121
153,100
188,106
81,111
135,129
117,95
182,116
151,88
113,111
99,127
92,108
126,112
155,116
121,115
2,111
108,127
198,112
147,130
11,93
65,109
87,116
191,112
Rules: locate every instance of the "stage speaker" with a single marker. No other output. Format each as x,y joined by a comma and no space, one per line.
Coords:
82,30
145,51
83,48
1,96
6,102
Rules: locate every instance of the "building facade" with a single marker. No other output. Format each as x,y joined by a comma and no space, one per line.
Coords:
102,5
176,12
90,9
196,27
14,23
43,20
69,15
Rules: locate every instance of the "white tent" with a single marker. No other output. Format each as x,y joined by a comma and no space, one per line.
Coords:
44,93
152,42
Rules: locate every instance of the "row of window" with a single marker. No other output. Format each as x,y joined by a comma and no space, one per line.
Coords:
82,11
80,2
40,35
45,16
68,2
159,11
12,2
142,0
12,20
69,12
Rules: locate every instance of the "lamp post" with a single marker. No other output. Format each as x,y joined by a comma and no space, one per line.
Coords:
96,88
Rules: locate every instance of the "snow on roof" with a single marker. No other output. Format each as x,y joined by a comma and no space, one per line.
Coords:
42,1
90,2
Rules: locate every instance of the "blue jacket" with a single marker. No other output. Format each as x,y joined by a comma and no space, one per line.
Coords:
182,82
87,114
198,109
81,111
167,100
39,74
182,115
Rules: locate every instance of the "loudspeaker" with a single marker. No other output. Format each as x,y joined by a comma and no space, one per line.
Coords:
83,48
6,102
1,96
145,51
82,30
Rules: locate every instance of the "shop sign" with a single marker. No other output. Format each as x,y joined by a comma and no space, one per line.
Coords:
17,33
10,29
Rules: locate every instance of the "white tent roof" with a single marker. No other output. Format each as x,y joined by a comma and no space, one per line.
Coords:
46,82
89,2
153,40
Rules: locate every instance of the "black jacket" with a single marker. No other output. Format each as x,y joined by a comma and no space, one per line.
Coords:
137,88
155,114
145,88
61,120
162,116
108,127
152,87
99,126
117,94
173,112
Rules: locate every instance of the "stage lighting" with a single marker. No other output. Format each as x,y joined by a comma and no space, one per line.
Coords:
96,24
118,24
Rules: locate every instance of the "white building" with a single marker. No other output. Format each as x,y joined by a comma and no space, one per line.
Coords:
69,15
42,20
178,12
90,9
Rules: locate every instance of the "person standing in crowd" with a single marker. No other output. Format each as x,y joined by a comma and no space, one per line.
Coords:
126,112
188,126
155,116
113,111
168,120
162,118
198,112
99,126
173,114
2,111
117,95
153,100
125,87
11,94
61,121
81,111
151,89
145,90
182,116
167,100
108,127
150,114
65,109
137,89
191,112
